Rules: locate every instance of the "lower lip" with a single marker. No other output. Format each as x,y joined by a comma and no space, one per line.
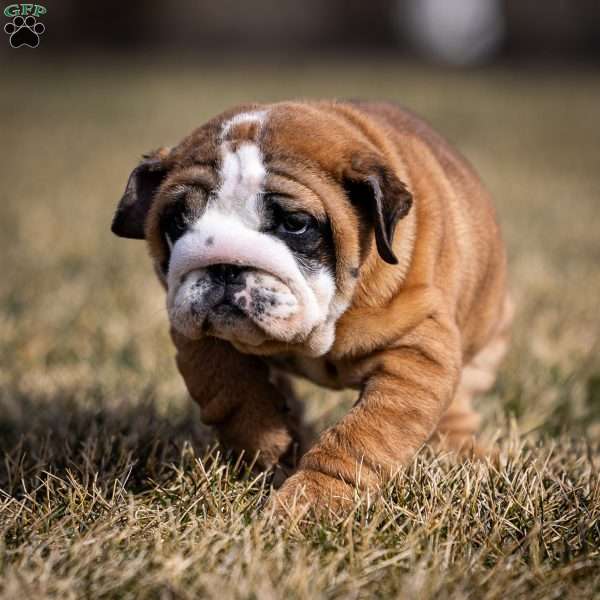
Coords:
226,310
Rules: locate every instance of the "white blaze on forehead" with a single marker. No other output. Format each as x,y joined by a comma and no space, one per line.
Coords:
242,173
242,176
257,116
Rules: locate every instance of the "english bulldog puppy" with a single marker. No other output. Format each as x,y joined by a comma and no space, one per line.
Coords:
345,242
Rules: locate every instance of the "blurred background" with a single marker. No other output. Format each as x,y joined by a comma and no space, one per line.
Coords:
455,32
514,84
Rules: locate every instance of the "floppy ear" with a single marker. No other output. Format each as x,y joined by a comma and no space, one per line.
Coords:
376,191
131,213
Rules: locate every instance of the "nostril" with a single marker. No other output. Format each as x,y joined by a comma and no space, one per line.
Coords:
227,274
218,273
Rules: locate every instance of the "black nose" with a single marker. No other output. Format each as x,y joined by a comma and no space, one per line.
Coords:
226,274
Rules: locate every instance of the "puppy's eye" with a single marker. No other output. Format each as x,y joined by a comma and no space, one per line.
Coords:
173,222
176,226
296,223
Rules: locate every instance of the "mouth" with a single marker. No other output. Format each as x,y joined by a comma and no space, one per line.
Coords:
221,314
229,322
215,312
226,310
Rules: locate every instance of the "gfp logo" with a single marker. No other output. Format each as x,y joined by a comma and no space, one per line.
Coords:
24,29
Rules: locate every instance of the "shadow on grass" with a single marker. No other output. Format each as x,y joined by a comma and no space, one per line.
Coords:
95,443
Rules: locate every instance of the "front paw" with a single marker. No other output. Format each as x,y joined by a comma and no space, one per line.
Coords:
311,492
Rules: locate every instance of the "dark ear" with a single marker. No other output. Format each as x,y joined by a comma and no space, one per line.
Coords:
376,191
131,213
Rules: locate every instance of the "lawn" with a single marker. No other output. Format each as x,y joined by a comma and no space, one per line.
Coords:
109,485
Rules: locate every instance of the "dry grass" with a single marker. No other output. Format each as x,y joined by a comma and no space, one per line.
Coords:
107,489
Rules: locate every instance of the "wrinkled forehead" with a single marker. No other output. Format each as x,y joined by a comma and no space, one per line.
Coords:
243,154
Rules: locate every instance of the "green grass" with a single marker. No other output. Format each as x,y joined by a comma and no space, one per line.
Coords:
109,485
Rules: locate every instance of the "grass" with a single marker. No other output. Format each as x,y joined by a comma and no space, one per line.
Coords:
109,485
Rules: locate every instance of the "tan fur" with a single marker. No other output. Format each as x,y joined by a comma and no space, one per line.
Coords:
419,339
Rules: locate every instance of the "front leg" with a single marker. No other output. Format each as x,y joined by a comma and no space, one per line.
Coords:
235,396
404,397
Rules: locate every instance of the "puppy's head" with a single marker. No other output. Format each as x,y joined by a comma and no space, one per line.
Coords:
259,221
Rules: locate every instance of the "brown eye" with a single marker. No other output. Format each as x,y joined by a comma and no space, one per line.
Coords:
296,223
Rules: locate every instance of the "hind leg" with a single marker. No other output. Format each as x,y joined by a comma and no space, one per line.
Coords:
458,427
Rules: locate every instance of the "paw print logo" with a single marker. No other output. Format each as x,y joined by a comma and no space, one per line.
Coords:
24,31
